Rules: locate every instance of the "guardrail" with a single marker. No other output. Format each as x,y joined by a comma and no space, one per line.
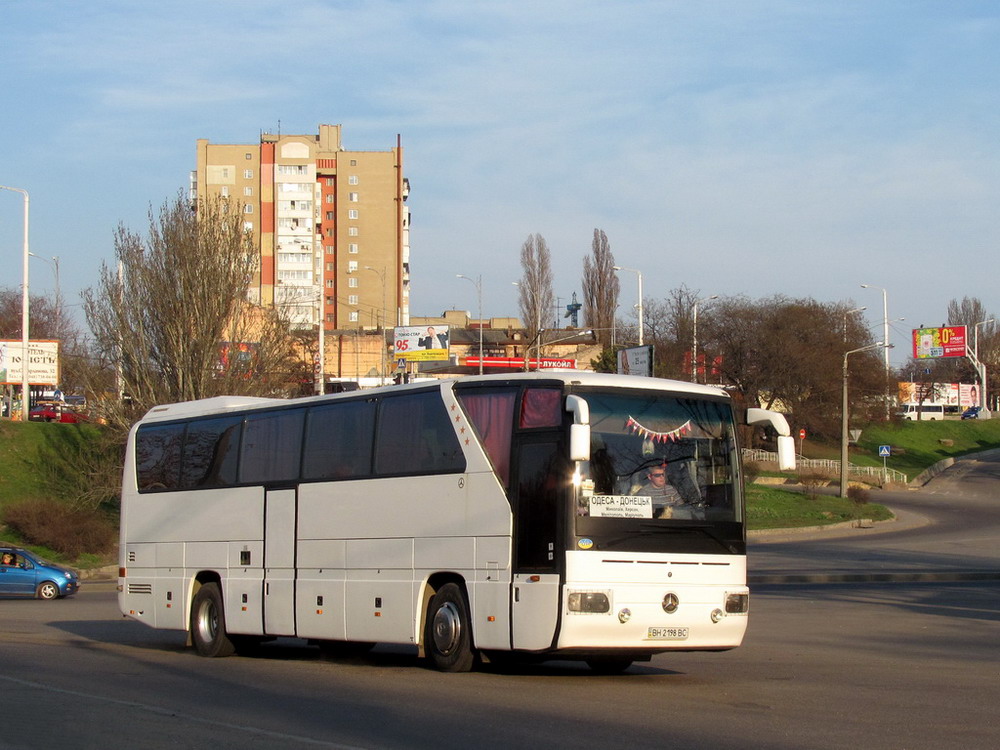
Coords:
829,464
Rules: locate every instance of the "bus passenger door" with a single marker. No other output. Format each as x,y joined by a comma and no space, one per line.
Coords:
539,487
279,562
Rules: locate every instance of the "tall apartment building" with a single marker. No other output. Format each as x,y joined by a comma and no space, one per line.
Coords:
332,225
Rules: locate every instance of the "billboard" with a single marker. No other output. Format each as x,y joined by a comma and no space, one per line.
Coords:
421,344
43,362
636,361
948,341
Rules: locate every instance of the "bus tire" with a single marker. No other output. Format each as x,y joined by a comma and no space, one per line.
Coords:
208,623
448,631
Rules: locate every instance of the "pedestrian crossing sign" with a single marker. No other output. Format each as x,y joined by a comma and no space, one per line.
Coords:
884,451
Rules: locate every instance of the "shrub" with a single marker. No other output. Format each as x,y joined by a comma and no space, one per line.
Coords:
811,480
57,526
751,470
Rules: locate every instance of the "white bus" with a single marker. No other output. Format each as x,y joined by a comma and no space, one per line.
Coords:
471,517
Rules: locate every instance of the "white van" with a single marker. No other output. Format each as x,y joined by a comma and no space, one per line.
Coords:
921,411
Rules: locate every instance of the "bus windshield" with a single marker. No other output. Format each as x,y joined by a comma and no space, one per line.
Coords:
663,459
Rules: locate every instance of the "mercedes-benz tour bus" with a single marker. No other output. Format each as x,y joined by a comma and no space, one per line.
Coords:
482,516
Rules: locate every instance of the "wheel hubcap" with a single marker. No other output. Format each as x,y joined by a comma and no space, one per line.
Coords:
447,628
208,622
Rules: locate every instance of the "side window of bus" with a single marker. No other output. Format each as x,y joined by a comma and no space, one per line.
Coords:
272,447
211,450
415,436
491,412
158,457
541,407
338,441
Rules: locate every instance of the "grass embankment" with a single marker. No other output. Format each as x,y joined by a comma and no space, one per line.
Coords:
37,460
918,445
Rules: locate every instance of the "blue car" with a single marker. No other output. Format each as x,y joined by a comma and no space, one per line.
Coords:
972,412
24,573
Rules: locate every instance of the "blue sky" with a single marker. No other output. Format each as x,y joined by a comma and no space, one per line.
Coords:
776,147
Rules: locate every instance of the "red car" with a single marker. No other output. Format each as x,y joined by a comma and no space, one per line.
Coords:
55,413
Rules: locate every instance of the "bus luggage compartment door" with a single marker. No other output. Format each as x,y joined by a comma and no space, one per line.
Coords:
535,611
279,563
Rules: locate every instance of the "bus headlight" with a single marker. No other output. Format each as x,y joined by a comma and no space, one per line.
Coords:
589,601
737,604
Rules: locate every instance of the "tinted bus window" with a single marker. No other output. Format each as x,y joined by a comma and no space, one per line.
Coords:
491,413
211,450
415,436
158,457
339,441
541,407
272,447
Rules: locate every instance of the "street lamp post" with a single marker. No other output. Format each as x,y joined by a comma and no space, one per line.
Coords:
381,318
54,261
694,341
979,364
25,388
885,339
843,418
478,282
848,314
638,307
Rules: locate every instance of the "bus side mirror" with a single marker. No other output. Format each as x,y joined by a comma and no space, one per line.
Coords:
579,442
786,453
579,431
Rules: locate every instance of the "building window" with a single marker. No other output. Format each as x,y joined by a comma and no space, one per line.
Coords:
353,282
329,283
248,190
247,174
352,180
292,169
352,231
352,266
248,226
352,214
331,301
352,299
330,249
331,267
329,215
353,318
331,181
224,191
249,156
248,208
354,162
331,198
352,247
352,197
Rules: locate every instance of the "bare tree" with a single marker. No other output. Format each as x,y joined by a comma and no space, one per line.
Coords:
172,314
600,288
535,288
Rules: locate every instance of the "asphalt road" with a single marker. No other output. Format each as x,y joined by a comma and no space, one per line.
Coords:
825,665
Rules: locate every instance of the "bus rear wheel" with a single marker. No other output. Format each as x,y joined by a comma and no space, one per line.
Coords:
448,632
208,623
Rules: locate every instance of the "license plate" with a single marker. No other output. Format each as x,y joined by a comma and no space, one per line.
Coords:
666,634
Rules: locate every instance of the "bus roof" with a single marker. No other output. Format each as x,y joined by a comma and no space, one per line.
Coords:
585,378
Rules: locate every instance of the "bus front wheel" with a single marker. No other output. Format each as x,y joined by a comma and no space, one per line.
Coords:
208,623
448,633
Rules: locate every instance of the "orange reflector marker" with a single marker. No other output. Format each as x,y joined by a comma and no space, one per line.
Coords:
121,572
378,614
491,618
534,579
